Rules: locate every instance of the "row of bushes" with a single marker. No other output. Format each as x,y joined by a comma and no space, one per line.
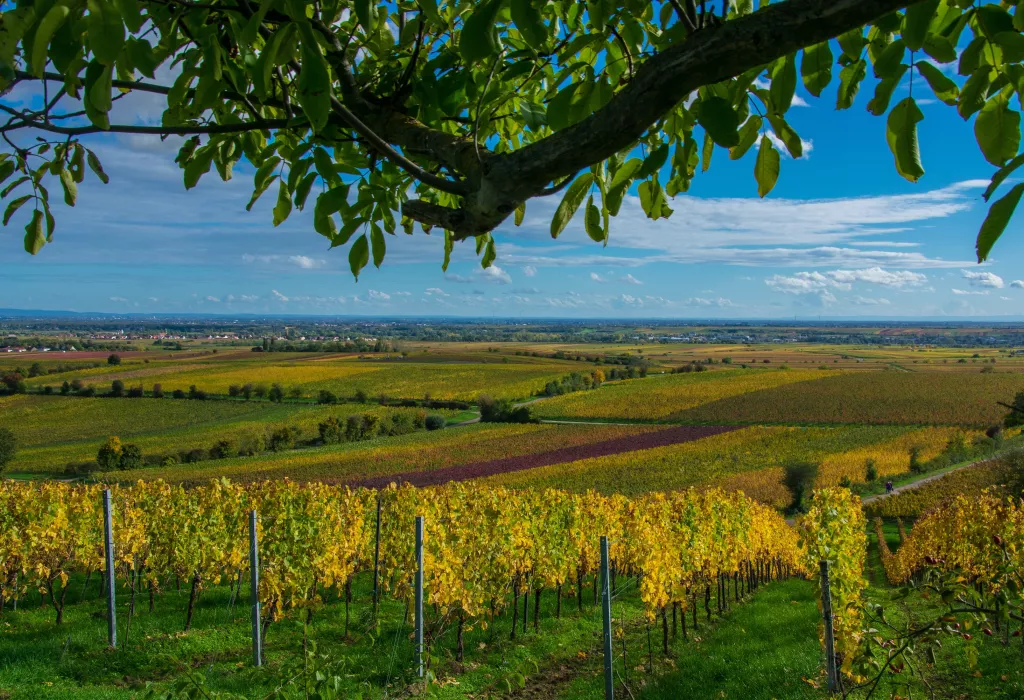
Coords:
115,456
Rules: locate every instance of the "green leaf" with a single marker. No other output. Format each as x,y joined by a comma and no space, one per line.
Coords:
489,254
993,20
766,167
67,181
748,136
787,135
377,244
35,238
879,104
1012,44
13,206
719,120
901,133
916,22
940,48
44,33
945,89
284,203
106,31
652,200
997,130
592,222
1002,174
359,255
972,94
620,184
995,223
97,100
528,21
7,169
96,166
852,42
314,81
850,78
558,107
479,39
570,203
889,60
129,11
653,162
816,68
783,85
325,167
366,15
429,8
520,213
706,152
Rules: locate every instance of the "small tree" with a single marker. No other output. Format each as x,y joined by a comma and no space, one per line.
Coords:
260,391
283,439
326,397
36,370
247,390
331,431
870,470
234,391
295,392
65,388
799,478
117,388
136,392
14,382
114,359
361,396
1016,415
76,385
131,457
916,465
178,394
109,456
158,391
8,447
224,449
195,393
435,422
276,393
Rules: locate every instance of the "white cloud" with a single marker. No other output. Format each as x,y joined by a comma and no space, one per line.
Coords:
1017,284
213,299
866,301
120,300
702,301
378,296
983,279
1006,298
496,274
876,275
278,295
962,292
597,278
436,291
805,146
529,271
803,283
306,263
154,299
302,261
630,279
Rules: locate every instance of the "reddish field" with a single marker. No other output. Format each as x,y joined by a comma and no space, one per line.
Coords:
463,472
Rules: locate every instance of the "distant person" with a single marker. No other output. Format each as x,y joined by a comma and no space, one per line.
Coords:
888,487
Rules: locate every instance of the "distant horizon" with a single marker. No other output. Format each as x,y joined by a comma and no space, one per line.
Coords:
7,314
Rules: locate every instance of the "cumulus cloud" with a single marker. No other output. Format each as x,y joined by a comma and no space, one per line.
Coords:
1017,284
213,299
436,291
306,263
965,292
378,296
529,271
876,275
983,279
303,262
278,295
803,283
867,301
120,300
597,278
720,302
497,275
630,279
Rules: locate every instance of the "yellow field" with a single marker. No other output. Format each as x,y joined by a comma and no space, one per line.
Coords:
658,397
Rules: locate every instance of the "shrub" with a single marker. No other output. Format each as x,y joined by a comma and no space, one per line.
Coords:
224,449
326,397
276,393
109,456
283,439
360,396
47,389
65,388
870,470
169,460
260,391
178,394
194,393
131,457
295,392
435,422
502,411
114,359
247,391
88,391
76,385
135,392
799,477
14,382
117,388
234,391
194,455
253,443
916,465
331,431
158,391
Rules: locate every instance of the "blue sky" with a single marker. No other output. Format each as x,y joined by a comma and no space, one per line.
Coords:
842,235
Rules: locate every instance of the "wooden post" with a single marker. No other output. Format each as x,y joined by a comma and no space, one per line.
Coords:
254,593
606,605
376,561
108,541
419,596
830,641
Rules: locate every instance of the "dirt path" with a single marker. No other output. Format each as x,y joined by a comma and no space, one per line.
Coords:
920,482
644,441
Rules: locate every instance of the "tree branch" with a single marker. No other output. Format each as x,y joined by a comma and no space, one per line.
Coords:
183,130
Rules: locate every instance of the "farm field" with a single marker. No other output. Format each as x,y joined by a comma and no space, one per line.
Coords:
344,376
901,398
661,396
355,461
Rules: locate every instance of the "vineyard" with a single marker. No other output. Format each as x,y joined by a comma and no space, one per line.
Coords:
484,550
